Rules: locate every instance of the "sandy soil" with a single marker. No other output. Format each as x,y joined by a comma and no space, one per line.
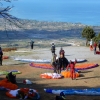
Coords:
90,78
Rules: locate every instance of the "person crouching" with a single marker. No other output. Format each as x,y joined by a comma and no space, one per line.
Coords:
71,65
11,78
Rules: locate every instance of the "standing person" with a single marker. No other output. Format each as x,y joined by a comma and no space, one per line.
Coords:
54,63
99,45
95,47
32,44
53,48
91,45
71,65
62,51
63,62
1,54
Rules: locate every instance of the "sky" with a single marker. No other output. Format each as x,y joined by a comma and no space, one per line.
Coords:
56,10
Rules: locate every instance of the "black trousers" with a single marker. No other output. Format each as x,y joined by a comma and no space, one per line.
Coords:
94,50
31,46
53,53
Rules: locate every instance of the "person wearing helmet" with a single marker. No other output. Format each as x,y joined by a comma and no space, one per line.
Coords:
62,51
71,65
53,48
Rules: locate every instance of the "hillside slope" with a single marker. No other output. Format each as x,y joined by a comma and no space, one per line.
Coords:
41,29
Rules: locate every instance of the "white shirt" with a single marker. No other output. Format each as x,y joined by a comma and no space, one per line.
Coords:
91,42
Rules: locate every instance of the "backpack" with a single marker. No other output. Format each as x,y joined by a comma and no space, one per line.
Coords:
59,98
53,47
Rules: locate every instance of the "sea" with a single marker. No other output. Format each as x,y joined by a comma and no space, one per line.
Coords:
73,11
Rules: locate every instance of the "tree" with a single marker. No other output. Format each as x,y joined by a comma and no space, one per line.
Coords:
88,33
97,38
4,13
9,20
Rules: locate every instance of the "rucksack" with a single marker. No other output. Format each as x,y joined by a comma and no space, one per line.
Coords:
59,98
53,47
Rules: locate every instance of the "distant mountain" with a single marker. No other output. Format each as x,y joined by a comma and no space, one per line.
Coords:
41,29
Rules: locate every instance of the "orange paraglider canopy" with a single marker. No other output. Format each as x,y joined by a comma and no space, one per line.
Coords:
67,74
85,66
77,66
39,65
8,85
51,76
5,57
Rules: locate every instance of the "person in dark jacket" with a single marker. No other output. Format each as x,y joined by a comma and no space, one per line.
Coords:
53,48
63,62
11,78
32,44
1,54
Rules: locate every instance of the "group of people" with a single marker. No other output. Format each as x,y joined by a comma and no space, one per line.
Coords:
61,62
93,46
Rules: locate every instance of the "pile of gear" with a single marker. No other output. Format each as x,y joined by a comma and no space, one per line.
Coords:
10,85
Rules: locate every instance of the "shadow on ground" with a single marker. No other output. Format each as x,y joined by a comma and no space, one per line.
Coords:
46,96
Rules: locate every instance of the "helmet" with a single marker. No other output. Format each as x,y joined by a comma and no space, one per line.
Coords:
52,43
62,94
27,81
